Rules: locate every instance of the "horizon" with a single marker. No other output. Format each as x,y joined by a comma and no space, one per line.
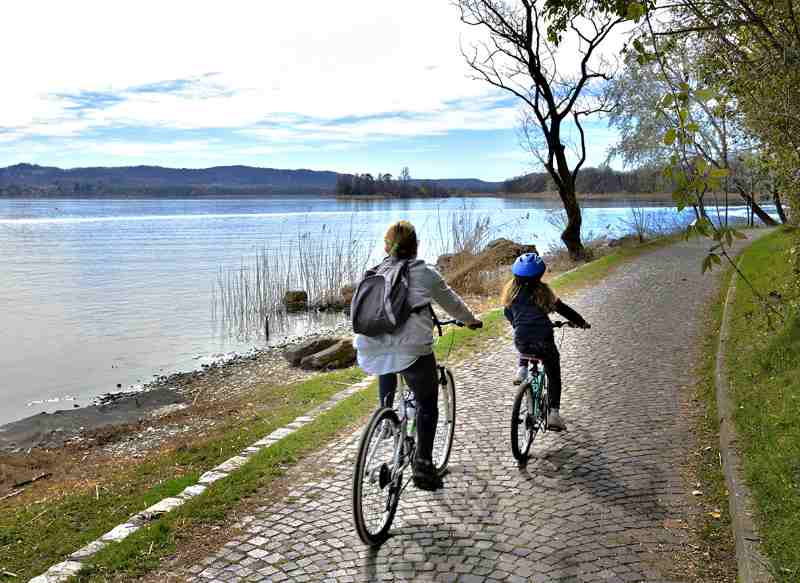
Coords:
342,86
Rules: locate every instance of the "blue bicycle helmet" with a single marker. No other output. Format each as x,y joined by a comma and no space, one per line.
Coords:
528,265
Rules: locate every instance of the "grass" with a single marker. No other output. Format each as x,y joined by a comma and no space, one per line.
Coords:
763,358
39,534
142,551
80,518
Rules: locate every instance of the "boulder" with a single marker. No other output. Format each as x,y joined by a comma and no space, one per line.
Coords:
347,294
339,355
295,301
505,251
298,352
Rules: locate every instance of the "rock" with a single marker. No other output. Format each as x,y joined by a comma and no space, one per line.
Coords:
505,251
627,239
339,355
496,253
295,301
347,294
296,353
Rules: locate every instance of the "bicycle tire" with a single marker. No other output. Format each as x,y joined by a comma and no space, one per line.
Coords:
373,529
523,423
446,424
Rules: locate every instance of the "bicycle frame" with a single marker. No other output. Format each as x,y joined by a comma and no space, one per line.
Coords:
536,384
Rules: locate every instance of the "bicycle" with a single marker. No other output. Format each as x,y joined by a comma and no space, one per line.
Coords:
531,405
387,448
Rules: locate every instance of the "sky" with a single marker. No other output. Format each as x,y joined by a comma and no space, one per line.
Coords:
349,86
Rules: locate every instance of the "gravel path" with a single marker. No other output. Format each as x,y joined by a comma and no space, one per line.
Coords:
606,501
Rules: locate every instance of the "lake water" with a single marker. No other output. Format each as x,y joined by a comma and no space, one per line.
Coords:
99,292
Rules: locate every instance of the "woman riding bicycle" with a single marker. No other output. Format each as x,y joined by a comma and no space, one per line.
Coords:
409,349
528,301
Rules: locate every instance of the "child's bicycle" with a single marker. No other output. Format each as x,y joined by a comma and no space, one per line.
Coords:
387,448
531,405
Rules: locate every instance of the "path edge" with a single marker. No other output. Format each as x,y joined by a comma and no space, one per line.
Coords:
752,566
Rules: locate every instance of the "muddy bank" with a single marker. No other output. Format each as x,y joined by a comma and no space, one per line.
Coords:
53,430
176,398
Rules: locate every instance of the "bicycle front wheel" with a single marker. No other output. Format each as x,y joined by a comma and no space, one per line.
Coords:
446,424
376,487
524,423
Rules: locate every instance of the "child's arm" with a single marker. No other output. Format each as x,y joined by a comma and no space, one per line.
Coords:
571,315
509,316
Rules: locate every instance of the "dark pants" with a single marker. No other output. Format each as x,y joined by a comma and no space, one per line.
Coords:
422,378
546,350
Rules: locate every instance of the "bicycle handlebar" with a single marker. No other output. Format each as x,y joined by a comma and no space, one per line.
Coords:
561,324
458,323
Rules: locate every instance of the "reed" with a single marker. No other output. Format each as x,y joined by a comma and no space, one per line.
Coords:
247,301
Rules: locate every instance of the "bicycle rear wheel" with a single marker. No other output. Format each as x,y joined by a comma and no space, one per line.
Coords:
525,422
446,424
375,492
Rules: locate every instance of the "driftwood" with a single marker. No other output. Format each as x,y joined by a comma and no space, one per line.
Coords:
9,574
24,483
11,495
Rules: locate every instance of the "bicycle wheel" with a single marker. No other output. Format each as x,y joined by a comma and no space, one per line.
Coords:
446,424
375,493
523,423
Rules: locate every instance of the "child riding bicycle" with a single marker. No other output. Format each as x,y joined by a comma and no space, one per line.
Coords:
528,301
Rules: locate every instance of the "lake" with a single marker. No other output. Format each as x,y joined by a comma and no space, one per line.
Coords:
96,293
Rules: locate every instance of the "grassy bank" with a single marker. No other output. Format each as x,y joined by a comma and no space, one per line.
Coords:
43,532
763,358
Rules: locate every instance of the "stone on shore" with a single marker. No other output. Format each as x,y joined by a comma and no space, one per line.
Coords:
295,301
339,355
298,352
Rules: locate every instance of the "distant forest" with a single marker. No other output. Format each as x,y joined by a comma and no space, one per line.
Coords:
595,181
27,180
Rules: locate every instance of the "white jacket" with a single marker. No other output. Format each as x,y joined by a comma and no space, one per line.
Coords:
414,338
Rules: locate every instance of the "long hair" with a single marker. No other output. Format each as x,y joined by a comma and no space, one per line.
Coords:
400,240
539,292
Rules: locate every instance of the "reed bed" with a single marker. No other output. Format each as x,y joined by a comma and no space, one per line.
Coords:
247,301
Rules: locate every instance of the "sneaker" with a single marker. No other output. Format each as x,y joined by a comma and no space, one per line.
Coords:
555,422
522,374
425,476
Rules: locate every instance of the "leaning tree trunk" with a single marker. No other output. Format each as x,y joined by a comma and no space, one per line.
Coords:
776,197
760,213
572,232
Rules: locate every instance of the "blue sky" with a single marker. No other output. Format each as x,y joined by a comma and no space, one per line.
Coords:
352,86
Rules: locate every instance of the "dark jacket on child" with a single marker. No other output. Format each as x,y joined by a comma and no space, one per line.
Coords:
533,335
530,323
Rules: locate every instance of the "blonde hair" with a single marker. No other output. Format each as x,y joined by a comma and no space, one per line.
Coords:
400,240
540,293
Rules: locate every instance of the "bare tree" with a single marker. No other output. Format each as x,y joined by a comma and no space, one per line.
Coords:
520,57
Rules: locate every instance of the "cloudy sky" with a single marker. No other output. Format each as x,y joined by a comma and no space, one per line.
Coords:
351,86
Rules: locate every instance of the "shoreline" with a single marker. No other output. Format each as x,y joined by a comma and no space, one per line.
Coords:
159,397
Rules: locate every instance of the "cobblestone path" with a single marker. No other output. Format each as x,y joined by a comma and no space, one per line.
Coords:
604,501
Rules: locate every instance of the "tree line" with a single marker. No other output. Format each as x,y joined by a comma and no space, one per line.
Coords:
604,180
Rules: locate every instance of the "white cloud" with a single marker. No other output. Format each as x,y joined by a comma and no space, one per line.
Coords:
293,65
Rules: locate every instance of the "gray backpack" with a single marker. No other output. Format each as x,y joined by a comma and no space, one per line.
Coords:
380,303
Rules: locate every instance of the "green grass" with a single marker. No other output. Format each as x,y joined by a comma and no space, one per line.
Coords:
141,551
764,369
37,535
80,518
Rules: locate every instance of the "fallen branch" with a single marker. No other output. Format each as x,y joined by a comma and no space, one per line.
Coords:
43,476
11,494
9,574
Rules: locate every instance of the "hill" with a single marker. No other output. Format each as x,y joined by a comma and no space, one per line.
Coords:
35,180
